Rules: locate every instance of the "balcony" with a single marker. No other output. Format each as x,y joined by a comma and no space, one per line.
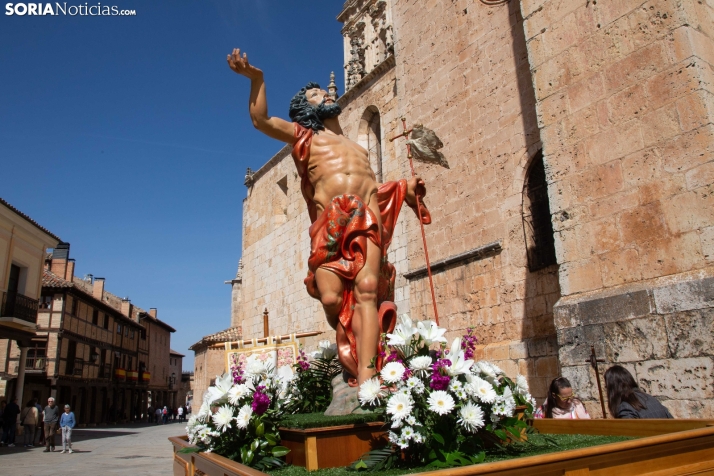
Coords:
35,364
20,307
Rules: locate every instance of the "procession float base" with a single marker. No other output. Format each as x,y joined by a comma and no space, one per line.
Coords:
662,448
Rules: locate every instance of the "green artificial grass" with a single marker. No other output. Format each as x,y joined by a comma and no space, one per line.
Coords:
318,420
538,444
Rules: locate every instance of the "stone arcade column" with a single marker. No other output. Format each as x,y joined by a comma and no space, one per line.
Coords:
20,386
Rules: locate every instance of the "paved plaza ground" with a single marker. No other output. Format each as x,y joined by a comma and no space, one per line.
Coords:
117,449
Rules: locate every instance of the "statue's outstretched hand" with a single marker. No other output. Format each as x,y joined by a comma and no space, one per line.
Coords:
241,66
417,188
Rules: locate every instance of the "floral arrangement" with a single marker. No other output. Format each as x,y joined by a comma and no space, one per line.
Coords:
441,406
240,413
311,389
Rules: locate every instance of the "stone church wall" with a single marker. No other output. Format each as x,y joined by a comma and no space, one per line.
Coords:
625,107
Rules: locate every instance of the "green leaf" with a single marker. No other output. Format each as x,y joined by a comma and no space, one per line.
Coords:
438,438
279,451
254,445
260,429
360,465
190,449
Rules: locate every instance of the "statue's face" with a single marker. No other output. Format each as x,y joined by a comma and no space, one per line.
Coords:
315,97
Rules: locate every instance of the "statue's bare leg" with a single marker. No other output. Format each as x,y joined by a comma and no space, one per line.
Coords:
331,288
365,322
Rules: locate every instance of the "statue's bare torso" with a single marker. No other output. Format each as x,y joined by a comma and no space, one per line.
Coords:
339,166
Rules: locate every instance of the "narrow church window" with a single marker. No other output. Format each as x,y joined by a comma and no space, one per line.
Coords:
370,137
540,243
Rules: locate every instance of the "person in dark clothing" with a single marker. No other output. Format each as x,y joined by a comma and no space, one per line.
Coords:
51,417
9,421
626,400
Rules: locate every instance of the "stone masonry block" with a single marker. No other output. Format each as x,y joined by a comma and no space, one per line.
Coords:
678,379
690,333
707,240
518,350
547,366
685,296
689,408
497,351
575,343
618,307
635,340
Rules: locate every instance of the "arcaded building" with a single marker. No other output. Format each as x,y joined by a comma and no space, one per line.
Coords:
576,205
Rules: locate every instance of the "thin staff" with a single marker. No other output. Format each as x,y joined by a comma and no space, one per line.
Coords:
421,224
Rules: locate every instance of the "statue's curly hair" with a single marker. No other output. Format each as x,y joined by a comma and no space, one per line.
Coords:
303,112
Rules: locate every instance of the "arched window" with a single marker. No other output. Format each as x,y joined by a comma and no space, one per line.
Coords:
540,243
370,137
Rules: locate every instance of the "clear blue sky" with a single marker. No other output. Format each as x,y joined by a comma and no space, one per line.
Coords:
129,137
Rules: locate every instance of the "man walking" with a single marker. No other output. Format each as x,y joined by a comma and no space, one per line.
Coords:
51,416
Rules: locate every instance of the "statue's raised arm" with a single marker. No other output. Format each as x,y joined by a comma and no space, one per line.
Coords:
274,127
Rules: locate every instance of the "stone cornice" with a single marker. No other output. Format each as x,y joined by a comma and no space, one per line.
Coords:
457,260
380,70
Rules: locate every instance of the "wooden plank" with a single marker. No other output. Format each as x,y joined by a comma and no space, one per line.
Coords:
311,461
649,427
629,457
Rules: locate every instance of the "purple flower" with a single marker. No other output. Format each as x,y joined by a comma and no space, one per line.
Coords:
439,381
468,343
261,401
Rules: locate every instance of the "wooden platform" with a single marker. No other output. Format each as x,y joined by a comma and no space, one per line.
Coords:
666,447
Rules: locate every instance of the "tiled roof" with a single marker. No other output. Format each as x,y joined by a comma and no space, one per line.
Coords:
51,280
30,220
173,352
231,334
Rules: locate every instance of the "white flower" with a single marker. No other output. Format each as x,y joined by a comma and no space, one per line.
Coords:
392,372
471,417
416,385
244,415
403,332
459,363
403,442
440,402
410,420
400,406
420,364
393,437
482,390
370,391
430,332
219,391
285,374
237,392
396,424
326,350
254,368
461,394
455,385
407,432
204,412
521,385
418,438
222,418
407,325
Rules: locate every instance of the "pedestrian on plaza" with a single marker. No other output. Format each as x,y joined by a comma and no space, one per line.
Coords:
29,417
562,402
174,412
165,415
39,438
158,415
180,413
150,413
9,422
626,400
50,416
67,422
